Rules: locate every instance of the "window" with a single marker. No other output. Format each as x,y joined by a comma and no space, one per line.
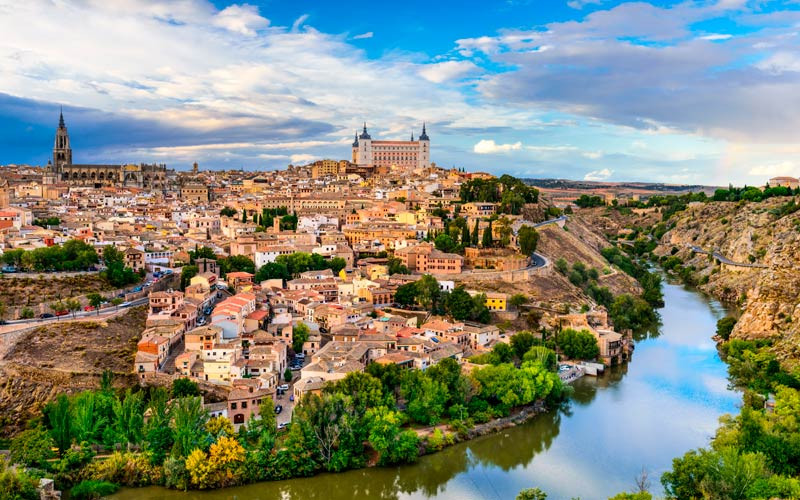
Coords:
244,405
233,406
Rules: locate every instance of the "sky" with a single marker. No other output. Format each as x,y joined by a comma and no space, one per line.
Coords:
689,92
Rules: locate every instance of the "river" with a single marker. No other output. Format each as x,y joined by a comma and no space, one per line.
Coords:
666,401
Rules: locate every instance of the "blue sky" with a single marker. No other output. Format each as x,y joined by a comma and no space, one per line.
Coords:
681,92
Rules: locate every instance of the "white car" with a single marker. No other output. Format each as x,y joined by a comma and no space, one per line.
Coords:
284,387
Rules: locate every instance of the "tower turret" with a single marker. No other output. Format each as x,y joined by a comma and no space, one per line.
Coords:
424,135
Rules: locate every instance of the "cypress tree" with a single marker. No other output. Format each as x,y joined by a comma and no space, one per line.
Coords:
487,236
465,237
475,237
244,215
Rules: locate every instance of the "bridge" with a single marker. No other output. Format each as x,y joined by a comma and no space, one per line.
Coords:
724,260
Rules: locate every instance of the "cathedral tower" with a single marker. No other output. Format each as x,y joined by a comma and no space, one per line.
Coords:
62,153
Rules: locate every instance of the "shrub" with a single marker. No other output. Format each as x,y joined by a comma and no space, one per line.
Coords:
93,489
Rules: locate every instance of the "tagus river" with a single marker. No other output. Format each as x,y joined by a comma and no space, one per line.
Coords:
663,403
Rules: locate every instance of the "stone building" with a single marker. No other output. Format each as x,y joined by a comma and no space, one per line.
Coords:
144,176
387,154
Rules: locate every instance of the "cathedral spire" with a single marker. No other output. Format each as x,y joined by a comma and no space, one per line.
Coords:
61,118
412,136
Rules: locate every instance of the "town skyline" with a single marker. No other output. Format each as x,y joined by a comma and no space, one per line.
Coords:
514,83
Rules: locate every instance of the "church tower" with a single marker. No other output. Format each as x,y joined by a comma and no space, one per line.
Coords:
62,153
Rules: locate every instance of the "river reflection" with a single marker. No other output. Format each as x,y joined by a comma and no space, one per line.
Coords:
663,403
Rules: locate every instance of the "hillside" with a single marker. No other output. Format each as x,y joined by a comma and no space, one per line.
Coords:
40,363
577,242
762,234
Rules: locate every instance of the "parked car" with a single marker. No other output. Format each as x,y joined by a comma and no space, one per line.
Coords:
168,271
88,308
300,356
45,315
125,304
278,409
201,322
137,289
63,312
283,425
283,387
9,269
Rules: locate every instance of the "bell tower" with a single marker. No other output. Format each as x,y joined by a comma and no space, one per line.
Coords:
62,153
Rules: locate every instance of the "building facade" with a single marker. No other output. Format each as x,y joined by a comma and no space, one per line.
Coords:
410,154
144,176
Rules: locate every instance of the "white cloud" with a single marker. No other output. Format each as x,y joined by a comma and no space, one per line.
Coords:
243,19
579,4
448,70
299,22
362,36
551,149
488,146
302,158
598,175
776,169
716,36
593,155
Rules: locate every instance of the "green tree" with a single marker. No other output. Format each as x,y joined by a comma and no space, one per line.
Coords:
188,425
475,231
521,342
518,299
59,418
183,387
466,240
287,375
187,273
227,212
725,327
458,304
578,344
32,448
426,398
562,266
72,305
396,266
488,240
27,313
393,445
95,300
237,263
272,270
300,333
406,295
128,418
528,239
531,494
158,435
541,355
428,292
244,215
445,243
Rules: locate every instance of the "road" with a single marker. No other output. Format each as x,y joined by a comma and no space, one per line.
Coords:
79,314
537,261
551,221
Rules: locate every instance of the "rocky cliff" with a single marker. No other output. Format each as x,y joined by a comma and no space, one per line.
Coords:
765,234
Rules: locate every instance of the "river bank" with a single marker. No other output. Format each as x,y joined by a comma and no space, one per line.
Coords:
643,414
